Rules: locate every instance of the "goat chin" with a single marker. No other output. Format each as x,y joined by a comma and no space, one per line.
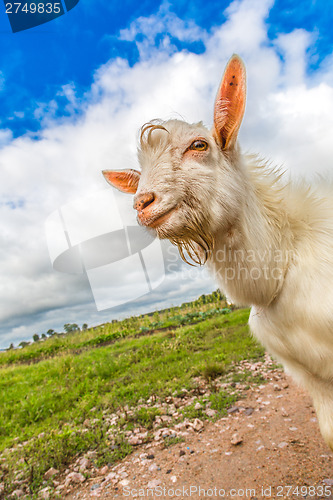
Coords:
194,242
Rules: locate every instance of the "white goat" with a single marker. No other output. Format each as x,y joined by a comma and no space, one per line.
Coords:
268,243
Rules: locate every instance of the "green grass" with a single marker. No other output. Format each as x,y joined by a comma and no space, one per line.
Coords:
74,343
52,398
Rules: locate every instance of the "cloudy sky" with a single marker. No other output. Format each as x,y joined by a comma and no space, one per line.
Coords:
73,94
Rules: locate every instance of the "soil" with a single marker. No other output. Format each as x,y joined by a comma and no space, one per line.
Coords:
269,446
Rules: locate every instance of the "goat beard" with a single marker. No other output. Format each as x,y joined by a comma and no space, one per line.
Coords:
193,241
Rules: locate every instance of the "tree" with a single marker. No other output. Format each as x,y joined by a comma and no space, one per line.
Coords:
156,316
201,300
50,332
35,337
71,327
11,347
43,336
84,326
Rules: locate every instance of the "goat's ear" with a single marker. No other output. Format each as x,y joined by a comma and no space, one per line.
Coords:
124,180
230,103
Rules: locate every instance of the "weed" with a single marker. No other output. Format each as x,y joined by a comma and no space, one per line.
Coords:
221,401
210,370
172,440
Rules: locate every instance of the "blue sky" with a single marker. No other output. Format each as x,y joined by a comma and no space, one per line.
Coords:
74,92
36,63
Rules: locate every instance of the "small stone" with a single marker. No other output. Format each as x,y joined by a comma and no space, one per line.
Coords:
328,482
198,425
84,464
50,473
181,453
293,428
44,493
283,444
248,411
17,493
173,479
74,478
150,456
210,413
152,467
154,483
197,406
104,470
95,487
284,412
233,409
111,476
134,440
124,482
236,439
169,471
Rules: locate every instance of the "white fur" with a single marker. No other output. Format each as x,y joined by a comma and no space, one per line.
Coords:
273,248
269,244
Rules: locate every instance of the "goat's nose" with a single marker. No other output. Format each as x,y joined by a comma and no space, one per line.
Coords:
143,200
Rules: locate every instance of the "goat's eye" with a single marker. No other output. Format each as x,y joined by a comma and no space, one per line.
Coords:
199,146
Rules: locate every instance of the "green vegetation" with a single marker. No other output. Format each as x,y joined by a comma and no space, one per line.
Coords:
50,389
74,340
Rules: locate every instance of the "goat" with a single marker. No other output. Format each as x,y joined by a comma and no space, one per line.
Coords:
267,241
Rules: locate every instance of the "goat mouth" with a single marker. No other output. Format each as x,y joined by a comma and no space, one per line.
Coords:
154,221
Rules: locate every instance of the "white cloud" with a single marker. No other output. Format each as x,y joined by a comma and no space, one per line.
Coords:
155,33
287,119
293,47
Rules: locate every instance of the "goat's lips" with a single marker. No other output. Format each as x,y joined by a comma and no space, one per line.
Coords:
147,218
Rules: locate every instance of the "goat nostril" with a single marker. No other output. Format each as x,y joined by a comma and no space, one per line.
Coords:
150,198
144,201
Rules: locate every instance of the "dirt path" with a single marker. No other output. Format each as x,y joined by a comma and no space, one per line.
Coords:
280,454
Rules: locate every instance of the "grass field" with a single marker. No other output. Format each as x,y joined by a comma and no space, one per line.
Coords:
50,388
